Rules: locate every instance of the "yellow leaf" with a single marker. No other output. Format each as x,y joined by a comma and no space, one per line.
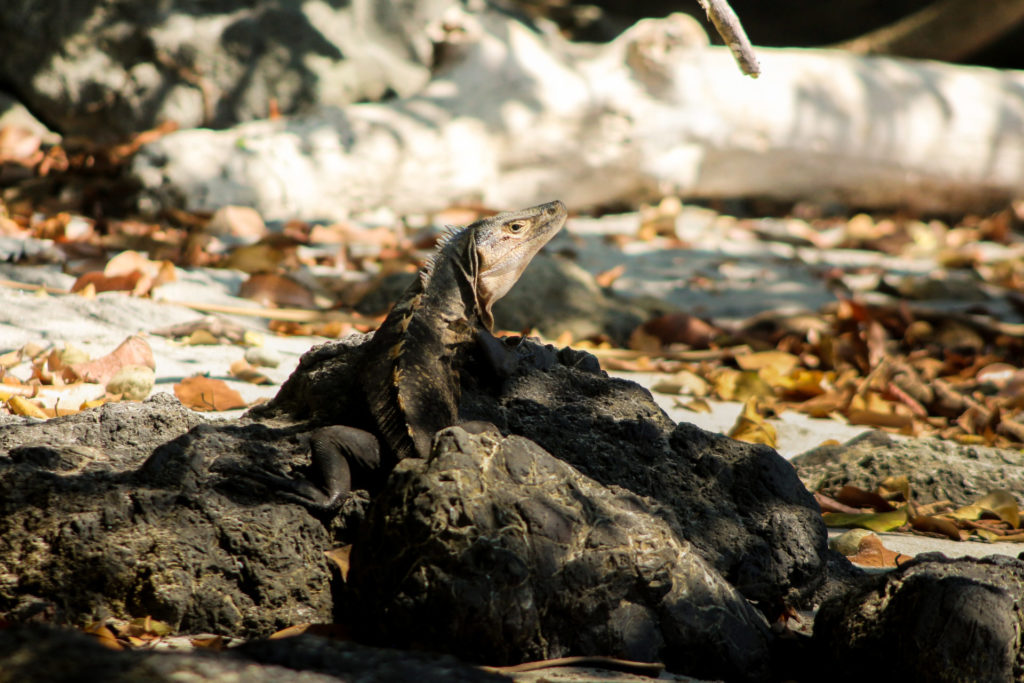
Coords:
340,557
780,361
733,385
201,337
998,502
752,427
875,521
20,405
697,405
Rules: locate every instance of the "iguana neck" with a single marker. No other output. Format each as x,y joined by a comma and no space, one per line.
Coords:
411,372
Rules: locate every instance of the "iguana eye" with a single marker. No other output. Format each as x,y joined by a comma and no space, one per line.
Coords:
516,227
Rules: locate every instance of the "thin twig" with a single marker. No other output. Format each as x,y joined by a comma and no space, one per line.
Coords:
728,26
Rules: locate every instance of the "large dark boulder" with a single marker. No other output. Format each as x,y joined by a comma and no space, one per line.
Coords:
498,552
639,537
934,619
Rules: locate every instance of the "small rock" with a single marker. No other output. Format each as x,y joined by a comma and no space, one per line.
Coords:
241,222
263,357
133,382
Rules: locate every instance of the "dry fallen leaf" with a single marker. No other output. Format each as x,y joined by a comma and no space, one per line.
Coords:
20,405
132,351
875,521
752,427
340,557
242,370
999,502
871,553
204,393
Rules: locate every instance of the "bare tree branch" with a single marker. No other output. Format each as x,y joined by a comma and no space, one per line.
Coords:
728,26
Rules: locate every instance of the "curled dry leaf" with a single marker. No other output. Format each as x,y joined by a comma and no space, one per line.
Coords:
676,328
998,502
242,370
132,351
340,557
872,553
752,427
859,498
95,282
204,394
19,405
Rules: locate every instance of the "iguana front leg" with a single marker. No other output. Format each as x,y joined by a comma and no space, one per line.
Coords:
342,458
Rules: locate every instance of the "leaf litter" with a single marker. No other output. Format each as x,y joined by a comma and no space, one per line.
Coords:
879,355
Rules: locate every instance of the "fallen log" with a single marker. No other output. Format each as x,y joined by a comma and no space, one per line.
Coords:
515,117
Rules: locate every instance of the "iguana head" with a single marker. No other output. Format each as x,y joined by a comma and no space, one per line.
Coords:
504,245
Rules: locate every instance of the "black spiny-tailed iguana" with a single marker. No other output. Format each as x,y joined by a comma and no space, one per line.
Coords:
410,373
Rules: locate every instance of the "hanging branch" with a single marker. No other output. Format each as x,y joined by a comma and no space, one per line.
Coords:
728,26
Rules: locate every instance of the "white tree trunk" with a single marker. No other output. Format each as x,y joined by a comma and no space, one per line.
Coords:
519,118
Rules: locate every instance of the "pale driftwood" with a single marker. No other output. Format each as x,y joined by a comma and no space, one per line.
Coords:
518,118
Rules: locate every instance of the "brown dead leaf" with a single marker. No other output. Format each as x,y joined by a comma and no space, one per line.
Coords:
104,635
938,526
674,328
340,557
132,351
96,282
204,393
606,278
828,504
859,498
212,643
272,289
333,631
871,553
242,370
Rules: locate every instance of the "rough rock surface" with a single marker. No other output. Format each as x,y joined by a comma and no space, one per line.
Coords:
741,505
498,552
109,67
933,619
87,530
937,470
137,509
35,653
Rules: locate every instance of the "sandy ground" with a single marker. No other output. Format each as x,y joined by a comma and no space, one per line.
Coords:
750,276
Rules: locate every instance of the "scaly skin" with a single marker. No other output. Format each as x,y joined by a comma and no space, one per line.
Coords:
411,375
410,371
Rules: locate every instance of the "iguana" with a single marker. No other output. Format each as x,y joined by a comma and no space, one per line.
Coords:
410,369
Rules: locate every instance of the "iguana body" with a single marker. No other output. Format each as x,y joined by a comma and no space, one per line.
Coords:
410,371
